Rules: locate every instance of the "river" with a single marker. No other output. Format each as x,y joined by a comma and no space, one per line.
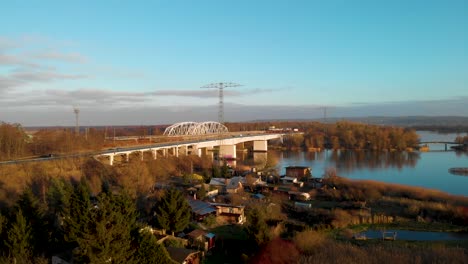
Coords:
423,169
417,235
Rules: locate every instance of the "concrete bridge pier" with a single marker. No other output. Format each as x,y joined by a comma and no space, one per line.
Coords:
184,150
241,146
142,154
206,151
260,159
111,159
260,145
154,152
227,151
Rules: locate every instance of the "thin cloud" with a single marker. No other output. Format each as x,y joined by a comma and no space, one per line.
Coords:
210,93
6,59
125,112
187,93
89,97
29,76
23,67
59,56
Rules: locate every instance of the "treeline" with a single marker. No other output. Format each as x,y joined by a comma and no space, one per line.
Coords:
91,211
348,135
65,141
16,143
462,139
73,222
443,129
138,178
13,141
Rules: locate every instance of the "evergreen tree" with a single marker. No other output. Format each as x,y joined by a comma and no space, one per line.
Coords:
216,172
150,251
172,212
19,239
109,237
77,212
101,230
225,171
57,196
257,229
29,205
201,193
206,176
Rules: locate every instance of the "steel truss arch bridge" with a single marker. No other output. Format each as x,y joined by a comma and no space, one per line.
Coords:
195,129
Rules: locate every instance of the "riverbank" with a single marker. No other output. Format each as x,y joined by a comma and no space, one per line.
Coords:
360,205
343,209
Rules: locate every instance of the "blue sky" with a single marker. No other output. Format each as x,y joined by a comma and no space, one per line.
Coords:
124,61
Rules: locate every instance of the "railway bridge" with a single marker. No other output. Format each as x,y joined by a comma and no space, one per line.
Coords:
224,142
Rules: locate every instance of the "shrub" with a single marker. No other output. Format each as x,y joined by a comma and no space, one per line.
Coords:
309,241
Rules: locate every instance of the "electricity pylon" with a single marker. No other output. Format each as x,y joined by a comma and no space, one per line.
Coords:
76,110
220,86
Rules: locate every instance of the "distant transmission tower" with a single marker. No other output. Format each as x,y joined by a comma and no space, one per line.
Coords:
76,110
324,114
220,86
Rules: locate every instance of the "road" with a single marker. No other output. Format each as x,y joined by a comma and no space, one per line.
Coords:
112,150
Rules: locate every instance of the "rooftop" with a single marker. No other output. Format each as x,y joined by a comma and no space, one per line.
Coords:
179,254
201,208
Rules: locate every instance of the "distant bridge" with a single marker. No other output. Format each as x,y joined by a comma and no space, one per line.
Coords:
439,142
226,145
446,143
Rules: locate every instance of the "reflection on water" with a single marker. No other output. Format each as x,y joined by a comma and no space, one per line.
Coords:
425,169
348,161
354,160
345,161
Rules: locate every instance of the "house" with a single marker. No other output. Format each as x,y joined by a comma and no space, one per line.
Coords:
235,184
201,239
219,184
299,205
201,210
300,172
289,180
228,213
299,196
254,183
183,255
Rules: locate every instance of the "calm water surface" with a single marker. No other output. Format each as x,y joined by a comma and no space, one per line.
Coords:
424,169
418,235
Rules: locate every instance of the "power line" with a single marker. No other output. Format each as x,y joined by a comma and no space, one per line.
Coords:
220,86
